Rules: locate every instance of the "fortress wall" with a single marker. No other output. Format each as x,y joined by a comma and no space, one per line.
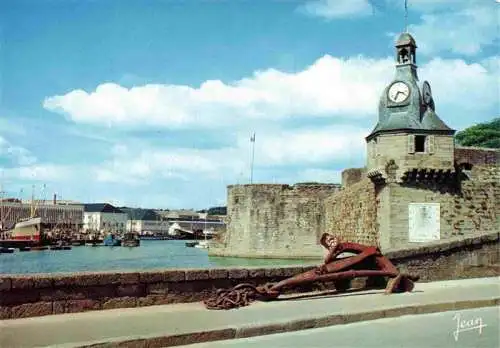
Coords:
471,212
477,156
274,221
32,295
352,175
352,213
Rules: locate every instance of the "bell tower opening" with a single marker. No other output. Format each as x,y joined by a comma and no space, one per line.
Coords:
406,48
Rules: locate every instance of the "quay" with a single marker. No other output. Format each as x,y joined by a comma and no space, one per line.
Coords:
188,323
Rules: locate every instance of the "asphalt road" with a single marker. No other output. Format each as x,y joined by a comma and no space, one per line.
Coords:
415,331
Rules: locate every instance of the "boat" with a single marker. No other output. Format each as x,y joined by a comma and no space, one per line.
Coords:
6,250
110,240
203,244
131,239
25,248
60,247
28,230
191,244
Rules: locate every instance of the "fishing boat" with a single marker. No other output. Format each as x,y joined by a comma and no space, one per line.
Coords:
202,244
6,250
131,239
110,240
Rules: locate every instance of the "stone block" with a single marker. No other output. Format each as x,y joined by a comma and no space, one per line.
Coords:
157,288
16,297
152,300
41,282
22,282
256,272
5,312
174,275
201,274
88,279
151,277
5,283
120,302
76,306
132,290
66,293
35,309
58,307
217,273
237,273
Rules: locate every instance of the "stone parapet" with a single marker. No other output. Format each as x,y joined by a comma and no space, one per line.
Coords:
46,294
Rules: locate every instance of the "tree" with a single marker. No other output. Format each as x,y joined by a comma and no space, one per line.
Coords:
485,134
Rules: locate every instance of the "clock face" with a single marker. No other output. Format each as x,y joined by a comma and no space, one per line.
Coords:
398,92
426,93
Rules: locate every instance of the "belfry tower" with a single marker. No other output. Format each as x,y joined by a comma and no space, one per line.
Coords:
409,134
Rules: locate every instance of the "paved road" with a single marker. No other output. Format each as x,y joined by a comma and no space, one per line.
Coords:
415,331
77,329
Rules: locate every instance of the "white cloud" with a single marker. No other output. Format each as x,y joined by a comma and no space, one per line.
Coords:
464,93
459,29
20,155
302,147
39,172
330,86
333,9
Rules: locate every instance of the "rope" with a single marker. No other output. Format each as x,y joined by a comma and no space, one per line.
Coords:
240,296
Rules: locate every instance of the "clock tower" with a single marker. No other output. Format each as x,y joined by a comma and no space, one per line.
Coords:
409,134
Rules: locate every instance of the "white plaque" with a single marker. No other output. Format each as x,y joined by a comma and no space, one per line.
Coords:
423,222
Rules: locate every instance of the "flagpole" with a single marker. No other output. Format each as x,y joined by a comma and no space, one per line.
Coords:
252,139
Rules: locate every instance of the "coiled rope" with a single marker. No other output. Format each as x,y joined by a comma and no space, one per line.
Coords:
240,296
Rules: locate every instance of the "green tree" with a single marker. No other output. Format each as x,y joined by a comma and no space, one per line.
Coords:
485,134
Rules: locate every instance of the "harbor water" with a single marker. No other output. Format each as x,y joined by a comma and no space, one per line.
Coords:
152,254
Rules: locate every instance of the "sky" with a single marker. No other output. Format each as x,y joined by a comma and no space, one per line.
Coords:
153,103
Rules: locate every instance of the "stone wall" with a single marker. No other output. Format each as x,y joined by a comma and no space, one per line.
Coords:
38,295
438,154
352,213
471,211
477,156
274,221
352,175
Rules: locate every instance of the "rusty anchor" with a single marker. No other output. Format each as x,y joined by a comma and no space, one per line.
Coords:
367,261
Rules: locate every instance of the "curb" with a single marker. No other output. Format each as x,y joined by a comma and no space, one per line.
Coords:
303,324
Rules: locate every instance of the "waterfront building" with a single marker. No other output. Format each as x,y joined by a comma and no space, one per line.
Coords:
53,215
145,222
104,218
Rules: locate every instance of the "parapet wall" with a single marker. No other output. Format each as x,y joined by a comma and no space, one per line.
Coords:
477,156
38,295
352,176
274,221
352,213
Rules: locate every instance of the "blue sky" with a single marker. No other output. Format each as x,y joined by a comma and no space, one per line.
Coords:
152,103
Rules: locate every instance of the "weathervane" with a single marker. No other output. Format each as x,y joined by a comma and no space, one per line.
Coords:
406,16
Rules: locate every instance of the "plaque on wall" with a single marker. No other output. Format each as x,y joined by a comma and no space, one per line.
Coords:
423,222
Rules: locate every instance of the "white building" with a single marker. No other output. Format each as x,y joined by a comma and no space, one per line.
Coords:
145,222
103,217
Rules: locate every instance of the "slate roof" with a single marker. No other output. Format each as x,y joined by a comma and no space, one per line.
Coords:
100,208
141,214
406,121
405,39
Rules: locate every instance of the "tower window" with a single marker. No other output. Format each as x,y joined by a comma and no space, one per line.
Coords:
420,143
